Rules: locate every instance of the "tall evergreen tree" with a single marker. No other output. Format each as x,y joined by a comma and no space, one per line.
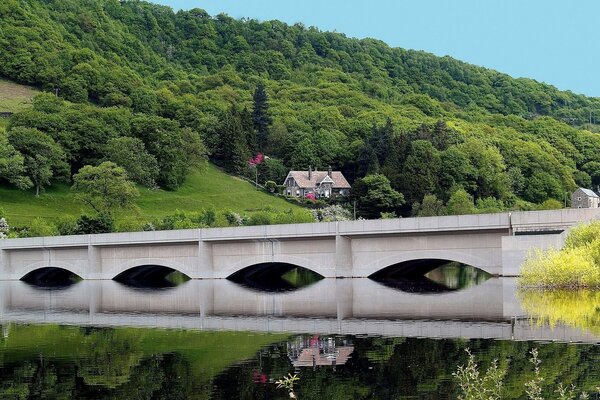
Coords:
249,132
233,150
367,162
260,116
382,140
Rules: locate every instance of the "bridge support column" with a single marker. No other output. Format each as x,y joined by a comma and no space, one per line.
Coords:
343,257
5,263
94,270
205,266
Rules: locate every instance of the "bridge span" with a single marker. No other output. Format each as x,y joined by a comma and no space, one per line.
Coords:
496,243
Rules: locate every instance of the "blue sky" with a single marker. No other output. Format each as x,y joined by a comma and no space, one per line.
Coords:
548,40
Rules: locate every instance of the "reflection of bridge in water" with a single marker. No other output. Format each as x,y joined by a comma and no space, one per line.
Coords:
331,306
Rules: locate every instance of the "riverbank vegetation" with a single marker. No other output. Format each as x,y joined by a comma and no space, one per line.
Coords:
475,384
137,81
577,265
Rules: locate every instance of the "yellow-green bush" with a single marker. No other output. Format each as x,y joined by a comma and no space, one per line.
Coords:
576,265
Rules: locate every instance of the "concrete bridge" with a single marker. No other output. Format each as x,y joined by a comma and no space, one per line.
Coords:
331,306
496,243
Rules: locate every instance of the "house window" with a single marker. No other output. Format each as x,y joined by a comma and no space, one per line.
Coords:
579,198
297,192
289,192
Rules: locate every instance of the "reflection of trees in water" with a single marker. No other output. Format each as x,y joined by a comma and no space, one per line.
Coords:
155,364
49,361
390,368
576,308
458,276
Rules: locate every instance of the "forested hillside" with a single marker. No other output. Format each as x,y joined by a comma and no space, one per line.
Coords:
140,79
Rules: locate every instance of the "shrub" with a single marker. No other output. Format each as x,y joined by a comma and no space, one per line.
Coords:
260,218
129,224
583,235
332,213
67,225
40,227
4,228
234,219
100,223
270,186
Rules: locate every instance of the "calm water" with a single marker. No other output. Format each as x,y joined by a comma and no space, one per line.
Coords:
346,338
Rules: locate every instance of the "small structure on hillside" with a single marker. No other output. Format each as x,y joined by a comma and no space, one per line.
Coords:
327,184
585,198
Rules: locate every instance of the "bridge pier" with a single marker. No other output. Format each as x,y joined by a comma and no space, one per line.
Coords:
206,265
343,257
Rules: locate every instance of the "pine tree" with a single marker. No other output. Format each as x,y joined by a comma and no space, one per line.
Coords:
249,132
260,116
233,150
367,162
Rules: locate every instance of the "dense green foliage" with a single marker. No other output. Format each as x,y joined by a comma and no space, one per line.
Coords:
186,83
576,265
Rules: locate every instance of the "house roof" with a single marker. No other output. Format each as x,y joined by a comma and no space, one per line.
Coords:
301,178
589,192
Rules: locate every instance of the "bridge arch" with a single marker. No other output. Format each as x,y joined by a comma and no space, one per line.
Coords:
302,262
66,266
379,265
51,276
128,265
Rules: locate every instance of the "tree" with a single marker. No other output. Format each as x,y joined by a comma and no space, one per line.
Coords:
429,207
260,116
104,188
460,203
420,172
44,158
130,153
367,162
374,195
233,152
12,165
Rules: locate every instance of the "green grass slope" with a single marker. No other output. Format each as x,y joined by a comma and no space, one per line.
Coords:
15,97
204,189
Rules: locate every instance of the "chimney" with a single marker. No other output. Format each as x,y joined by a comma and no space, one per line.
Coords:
329,171
310,172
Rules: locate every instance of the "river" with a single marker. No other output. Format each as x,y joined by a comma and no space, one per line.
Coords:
343,338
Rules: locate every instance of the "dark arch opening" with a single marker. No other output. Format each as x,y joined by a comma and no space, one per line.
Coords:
51,277
430,276
275,277
151,276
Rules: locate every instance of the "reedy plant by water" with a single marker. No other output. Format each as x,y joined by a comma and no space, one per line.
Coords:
287,382
577,265
475,385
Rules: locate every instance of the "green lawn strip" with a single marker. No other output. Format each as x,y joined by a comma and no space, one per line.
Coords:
15,97
207,188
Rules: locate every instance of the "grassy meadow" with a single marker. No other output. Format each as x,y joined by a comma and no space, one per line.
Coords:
15,97
207,188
